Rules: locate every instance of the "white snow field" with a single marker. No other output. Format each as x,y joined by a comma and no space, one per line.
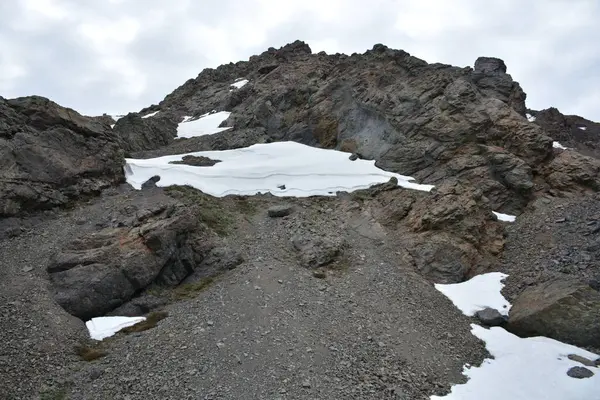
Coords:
522,369
239,83
207,124
150,115
505,217
261,168
557,145
103,327
477,293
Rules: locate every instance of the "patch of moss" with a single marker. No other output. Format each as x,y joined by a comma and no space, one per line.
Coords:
211,212
245,206
191,290
89,353
149,323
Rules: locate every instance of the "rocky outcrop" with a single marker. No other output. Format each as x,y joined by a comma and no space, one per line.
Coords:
570,130
51,155
431,121
562,309
448,235
98,272
138,134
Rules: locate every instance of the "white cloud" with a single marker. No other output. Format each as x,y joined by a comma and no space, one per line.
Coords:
122,55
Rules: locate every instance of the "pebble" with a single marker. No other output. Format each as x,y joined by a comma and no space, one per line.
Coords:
306,384
580,373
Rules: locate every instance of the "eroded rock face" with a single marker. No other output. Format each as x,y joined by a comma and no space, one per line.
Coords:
562,309
99,272
138,134
431,121
51,155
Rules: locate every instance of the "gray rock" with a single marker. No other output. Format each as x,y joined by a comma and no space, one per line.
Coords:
280,211
582,360
563,309
137,134
51,155
490,317
218,260
98,272
196,161
317,251
579,373
151,183
353,157
139,306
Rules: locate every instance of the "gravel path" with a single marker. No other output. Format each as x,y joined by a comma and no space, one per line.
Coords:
269,329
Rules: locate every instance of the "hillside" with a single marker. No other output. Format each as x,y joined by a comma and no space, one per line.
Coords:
299,226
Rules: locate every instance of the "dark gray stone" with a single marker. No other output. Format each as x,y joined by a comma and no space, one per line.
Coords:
490,317
280,211
51,155
580,373
151,183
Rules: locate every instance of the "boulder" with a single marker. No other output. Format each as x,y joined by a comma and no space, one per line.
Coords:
562,309
317,251
490,317
579,373
51,156
98,272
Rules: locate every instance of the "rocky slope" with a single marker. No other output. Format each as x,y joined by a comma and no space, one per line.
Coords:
51,156
318,297
430,121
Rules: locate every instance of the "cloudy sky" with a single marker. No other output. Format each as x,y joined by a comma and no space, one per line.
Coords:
116,56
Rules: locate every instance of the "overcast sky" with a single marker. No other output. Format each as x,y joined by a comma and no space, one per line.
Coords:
116,56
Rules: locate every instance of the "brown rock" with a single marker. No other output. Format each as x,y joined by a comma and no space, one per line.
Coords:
566,310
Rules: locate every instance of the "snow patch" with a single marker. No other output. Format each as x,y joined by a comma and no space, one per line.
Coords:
261,168
477,293
557,145
240,82
524,369
505,217
150,115
103,327
530,117
583,128
207,124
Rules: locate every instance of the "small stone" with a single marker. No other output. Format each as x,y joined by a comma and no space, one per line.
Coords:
490,317
279,281
560,220
353,157
210,323
95,373
282,391
220,345
306,384
27,269
282,187
381,344
580,373
582,360
279,211
150,183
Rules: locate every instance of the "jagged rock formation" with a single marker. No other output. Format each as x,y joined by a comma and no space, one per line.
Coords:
137,134
430,121
51,156
570,130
